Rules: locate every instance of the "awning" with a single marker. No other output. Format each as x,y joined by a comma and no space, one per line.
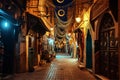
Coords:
36,24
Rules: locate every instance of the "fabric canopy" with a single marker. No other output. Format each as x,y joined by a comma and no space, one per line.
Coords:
36,24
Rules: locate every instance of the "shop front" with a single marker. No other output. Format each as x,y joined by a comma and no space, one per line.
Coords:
35,31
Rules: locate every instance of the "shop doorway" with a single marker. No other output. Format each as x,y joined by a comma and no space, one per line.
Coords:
88,50
108,54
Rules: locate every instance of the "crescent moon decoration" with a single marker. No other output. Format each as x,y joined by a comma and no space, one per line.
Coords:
60,1
61,12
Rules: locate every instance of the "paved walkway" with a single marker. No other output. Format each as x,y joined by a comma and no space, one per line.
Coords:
61,68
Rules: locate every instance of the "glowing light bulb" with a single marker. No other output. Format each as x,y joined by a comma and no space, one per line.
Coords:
78,19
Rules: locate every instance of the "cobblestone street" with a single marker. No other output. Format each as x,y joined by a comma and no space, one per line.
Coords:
63,67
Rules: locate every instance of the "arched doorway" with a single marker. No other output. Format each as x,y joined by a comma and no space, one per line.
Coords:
8,39
108,60
88,50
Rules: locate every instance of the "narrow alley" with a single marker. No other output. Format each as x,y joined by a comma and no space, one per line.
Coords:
63,67
59,40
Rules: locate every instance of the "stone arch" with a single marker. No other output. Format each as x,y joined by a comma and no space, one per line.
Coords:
107,46
99,22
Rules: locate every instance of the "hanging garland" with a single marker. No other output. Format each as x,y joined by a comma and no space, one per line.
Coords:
60,31
61,26
58,39
63,23
58,34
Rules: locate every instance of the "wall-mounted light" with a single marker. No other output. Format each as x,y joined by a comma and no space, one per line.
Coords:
47,33
5,24
78,19
69,34
51,29
8,18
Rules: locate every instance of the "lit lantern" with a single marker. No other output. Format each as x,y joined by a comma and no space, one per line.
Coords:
78,19
5,24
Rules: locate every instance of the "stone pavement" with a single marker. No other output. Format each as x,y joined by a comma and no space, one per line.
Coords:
61,68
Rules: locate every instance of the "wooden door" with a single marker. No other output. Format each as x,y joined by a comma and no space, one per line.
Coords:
108,48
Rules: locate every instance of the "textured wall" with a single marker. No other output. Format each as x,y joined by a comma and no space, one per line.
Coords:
119,33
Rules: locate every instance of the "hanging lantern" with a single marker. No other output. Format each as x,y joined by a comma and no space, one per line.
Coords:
60,1
61,12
